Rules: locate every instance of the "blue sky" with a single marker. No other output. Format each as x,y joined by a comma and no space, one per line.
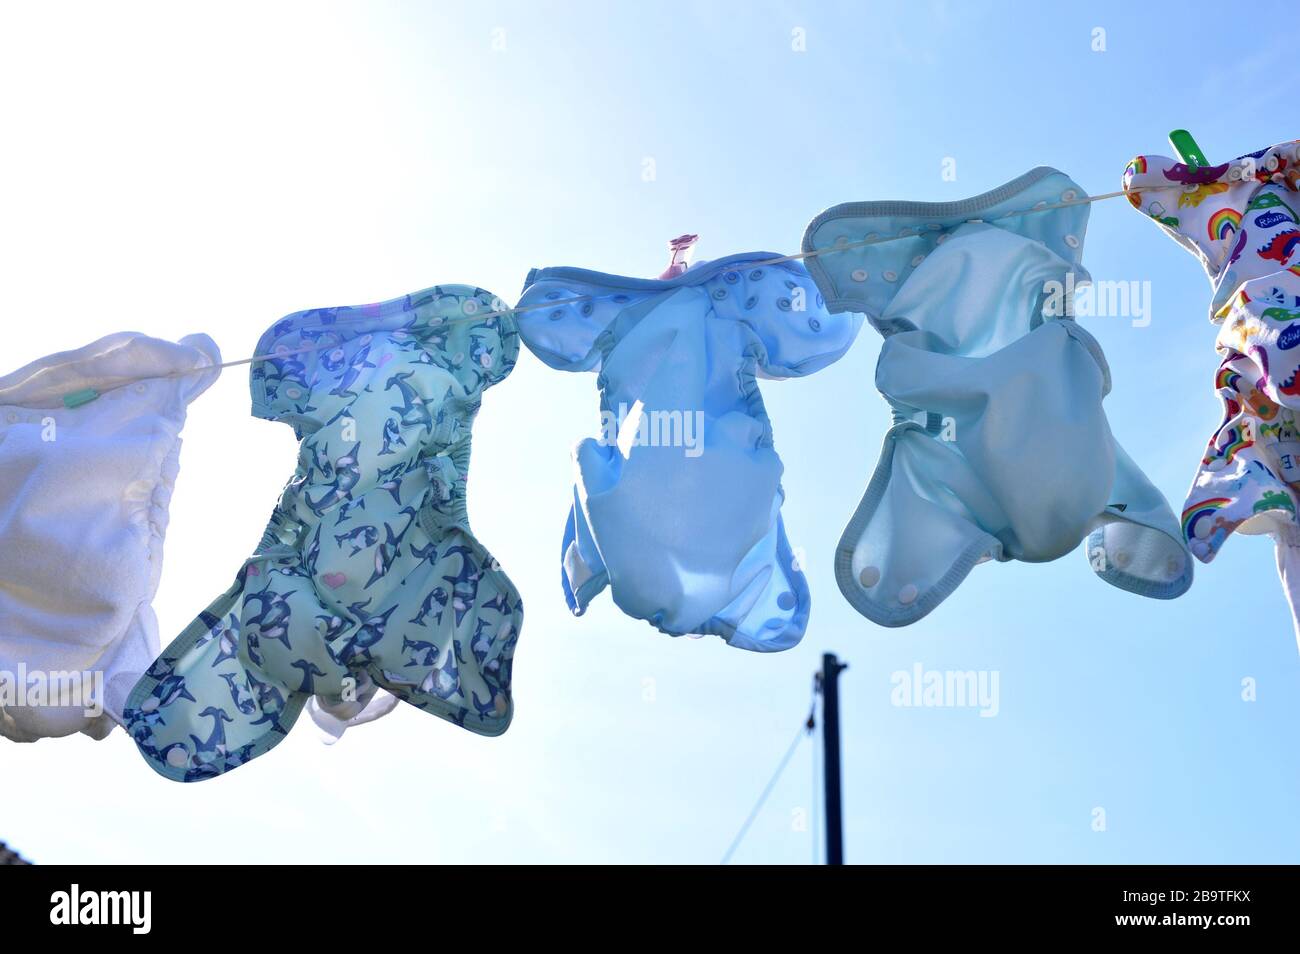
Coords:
175,169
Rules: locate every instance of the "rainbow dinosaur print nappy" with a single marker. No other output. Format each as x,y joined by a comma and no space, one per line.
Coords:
368,575
1242,220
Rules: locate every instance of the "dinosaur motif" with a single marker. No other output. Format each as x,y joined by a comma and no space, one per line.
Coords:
1281,247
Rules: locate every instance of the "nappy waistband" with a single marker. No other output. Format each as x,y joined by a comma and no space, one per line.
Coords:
112,362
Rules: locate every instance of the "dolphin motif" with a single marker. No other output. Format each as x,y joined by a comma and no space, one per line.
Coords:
309,673
413,410
346,475
360,362
216,740
392,437
363,537
437,595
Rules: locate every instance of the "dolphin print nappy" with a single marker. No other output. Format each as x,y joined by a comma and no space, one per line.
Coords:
89,452
367,576
1000,449
677,507
1242,221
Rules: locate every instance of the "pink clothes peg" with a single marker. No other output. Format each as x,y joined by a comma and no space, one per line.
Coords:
681,249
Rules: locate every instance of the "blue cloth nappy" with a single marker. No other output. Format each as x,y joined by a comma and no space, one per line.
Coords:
1000,448
367,575
677,507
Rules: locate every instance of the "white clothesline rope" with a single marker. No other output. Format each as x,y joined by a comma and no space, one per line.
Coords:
799,256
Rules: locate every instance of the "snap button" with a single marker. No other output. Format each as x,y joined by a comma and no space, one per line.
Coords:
1234,174
293,393
177,756
907,593
1203,529
869,576
485,359
281,350
859,275
941,239
918,260
842,241
891,276
1071,241
1271,163
470,306
140,388
1069,195
1122,559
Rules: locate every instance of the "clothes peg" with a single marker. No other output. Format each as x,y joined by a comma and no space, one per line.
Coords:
1195,170
680,248
78,398
1187,149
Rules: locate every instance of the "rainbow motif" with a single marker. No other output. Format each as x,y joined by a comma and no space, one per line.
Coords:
1236,442
1226,378
1204,508
1137,166
1224,223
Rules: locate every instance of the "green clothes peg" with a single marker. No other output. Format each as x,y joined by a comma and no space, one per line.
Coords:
1187,148
78,398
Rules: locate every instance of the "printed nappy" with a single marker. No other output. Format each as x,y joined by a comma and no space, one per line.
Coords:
1241,219
367,577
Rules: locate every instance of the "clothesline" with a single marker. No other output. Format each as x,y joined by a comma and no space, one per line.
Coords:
481,316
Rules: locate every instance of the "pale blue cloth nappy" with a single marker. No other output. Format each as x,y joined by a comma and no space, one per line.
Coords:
677,508
1000,449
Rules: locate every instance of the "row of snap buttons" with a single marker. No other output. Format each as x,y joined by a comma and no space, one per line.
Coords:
861,274
870,576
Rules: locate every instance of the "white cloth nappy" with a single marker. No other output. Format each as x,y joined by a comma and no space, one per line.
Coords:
89,448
